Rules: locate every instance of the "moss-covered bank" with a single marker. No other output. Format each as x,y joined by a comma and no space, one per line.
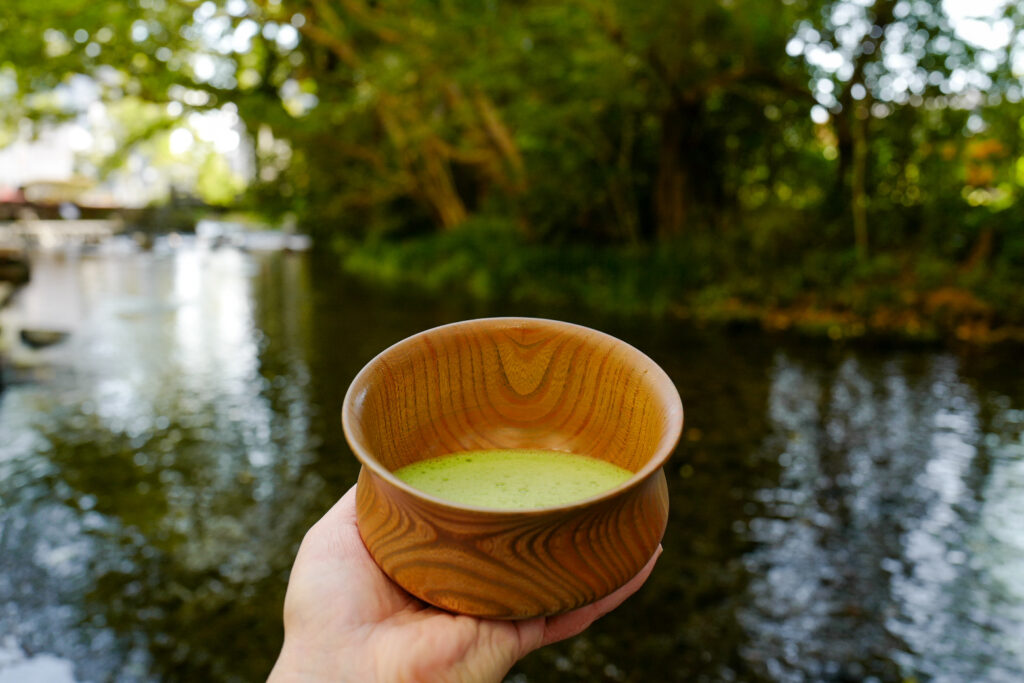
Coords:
912,296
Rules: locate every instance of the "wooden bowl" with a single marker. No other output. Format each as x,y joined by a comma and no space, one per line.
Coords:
511,383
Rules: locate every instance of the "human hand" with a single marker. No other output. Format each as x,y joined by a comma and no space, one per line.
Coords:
345,620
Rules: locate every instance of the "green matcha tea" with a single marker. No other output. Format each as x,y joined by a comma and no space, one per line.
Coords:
513,479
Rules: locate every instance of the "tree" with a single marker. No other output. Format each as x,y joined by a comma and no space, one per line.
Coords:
602,120
867,60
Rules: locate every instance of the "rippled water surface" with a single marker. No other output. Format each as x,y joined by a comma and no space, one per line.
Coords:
837,514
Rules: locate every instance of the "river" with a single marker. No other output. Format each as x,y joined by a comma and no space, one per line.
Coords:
838,513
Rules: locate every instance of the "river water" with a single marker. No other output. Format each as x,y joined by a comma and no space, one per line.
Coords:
838,514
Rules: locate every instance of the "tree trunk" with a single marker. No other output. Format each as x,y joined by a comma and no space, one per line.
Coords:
858,193
851,127
672,186
981,251
438,188
844,148
621,186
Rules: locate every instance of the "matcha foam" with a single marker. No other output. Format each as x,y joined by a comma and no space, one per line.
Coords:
513,479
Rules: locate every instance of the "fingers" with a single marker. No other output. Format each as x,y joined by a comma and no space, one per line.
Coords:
531,635
342,512
335,536
334,541
572,623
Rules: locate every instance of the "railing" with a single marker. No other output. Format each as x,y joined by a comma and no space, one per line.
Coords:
49,234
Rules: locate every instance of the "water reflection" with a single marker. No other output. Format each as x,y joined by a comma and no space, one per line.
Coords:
163,460
875,556
835,515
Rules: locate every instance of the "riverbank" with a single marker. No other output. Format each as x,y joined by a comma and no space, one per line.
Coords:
897,296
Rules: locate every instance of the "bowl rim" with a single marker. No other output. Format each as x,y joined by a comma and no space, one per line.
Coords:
665,448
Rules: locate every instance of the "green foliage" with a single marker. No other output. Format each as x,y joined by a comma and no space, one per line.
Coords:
469,142
216,183
492,261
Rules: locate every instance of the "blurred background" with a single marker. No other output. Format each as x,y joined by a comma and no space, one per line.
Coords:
213,213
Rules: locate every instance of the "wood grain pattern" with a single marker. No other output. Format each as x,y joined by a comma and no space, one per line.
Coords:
511,383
